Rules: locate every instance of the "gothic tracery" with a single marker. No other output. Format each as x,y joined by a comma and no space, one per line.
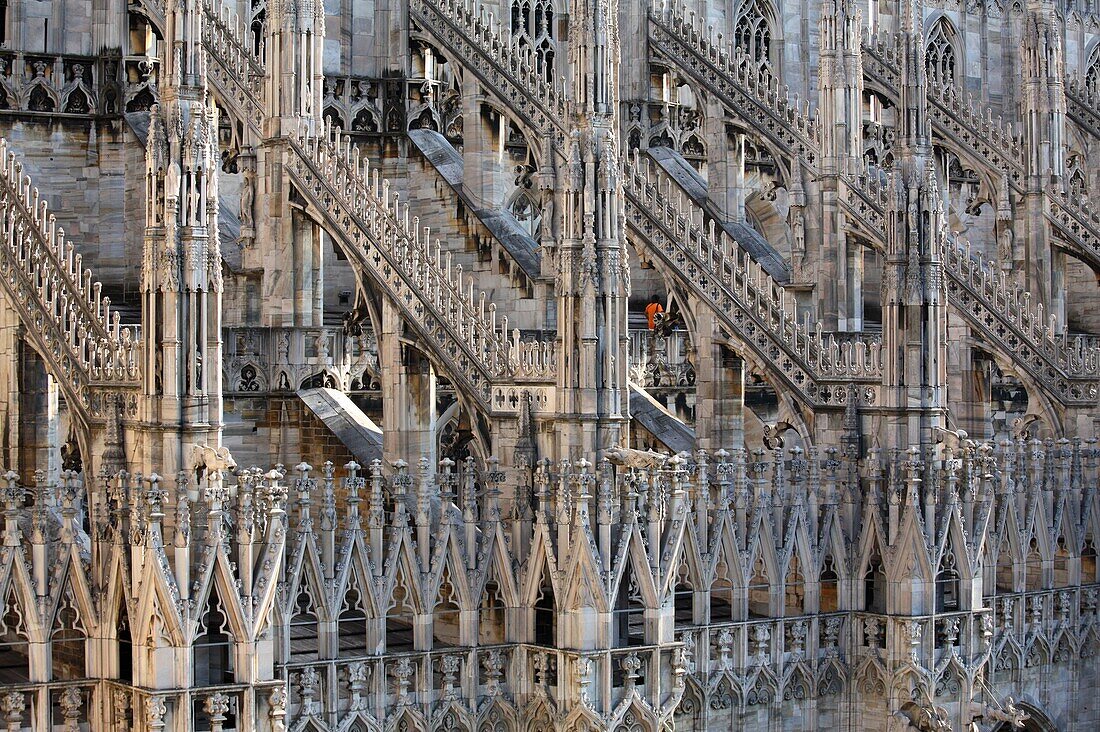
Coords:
601,381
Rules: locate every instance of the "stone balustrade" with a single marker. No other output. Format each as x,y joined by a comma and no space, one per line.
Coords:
438,299
233,69
265,360
60,86
739,81
984,293
698,585
1083,104
713,265
953,116
1075,222
487,50
70,322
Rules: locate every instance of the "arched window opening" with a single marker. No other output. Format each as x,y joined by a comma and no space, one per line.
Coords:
125,645
445,617
545,621
630,611
684,597
303,629
213,646
759,590
721,597
1092,72
829,582
1088,561
1005,580
1061,563
490,614
352,624
68,642
258,25
874,586
947,585
1033,568
399,622
14,653
532,25
794,590
752,33
940,55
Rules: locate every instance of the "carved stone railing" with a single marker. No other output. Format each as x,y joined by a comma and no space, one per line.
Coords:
1067,367
1083,105
259,360
67,319
1076,224
986,138
60,86
711,266
376,229
233,69
743,296
485,48
743,86
864,198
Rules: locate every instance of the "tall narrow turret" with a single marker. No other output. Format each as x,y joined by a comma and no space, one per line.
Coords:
594,283
181,268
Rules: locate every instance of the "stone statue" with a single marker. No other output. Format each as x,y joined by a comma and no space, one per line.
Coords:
211,459
247,195
625,457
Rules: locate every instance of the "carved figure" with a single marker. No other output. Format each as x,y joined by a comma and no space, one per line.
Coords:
628,458
212,459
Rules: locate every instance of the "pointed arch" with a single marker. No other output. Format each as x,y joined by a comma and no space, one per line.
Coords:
1033,566
447,611
942,60
683,593
303,628
526,211
544,612
491,615
874,580
1062,561
352,625
754,29
68,641
1092,70
531,23
400,616
1088,560
723,601
212,649
947,582
629,609
124,637
14,647
759,587
794,588
1005,557
828,585
499,716
540,592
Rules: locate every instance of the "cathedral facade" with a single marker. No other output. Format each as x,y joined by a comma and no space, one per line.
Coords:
549,365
